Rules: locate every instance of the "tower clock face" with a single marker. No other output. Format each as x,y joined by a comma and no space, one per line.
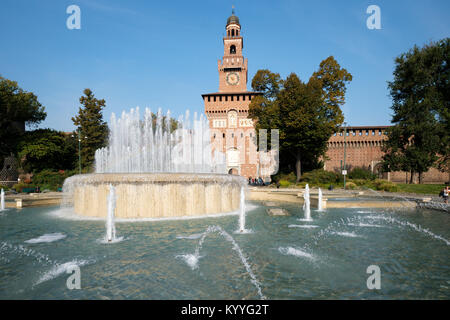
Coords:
232,78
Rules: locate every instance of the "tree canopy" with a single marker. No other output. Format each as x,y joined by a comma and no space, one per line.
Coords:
17,107
91,126
47,149
306,114
419,138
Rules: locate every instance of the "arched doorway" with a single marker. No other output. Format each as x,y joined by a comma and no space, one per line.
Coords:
233,161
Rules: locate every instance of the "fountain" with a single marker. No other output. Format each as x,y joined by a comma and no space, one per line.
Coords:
320,204
306,205
2,200
242,212
159,168
110,225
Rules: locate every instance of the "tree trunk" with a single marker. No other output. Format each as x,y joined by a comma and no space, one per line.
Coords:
298,166
411,177
420,177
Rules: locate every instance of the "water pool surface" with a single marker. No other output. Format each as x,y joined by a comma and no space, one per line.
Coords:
280,258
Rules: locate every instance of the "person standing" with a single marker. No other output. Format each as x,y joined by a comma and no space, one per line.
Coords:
445,194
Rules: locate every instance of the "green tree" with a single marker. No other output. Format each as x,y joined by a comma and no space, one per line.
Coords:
93,130
17,108
267,82
419,138
264,108
306,114
46,149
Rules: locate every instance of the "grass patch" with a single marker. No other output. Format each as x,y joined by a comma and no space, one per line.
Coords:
433,189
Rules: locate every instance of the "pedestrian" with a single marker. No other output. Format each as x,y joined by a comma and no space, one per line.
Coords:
445,195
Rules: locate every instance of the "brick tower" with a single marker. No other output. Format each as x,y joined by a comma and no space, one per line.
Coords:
232,132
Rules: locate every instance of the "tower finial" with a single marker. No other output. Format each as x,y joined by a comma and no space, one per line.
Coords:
232,9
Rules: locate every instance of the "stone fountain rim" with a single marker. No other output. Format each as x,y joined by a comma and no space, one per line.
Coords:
137,178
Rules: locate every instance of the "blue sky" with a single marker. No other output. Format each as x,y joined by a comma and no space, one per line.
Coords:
164,53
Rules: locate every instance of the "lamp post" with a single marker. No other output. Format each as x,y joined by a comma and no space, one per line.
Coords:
79,149
345,152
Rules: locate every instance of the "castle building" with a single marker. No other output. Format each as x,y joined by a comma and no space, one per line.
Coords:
232,131
362,148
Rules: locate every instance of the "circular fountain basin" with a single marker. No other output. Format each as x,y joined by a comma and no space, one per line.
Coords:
154,195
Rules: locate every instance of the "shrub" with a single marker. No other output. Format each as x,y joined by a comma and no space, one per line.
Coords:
51,180
285,176
359,182
301,184
5,188
350,185
390,187
284,183
20,186
385,185
320,176
361,173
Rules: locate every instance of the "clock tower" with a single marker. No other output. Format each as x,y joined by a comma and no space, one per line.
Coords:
232,132
233,67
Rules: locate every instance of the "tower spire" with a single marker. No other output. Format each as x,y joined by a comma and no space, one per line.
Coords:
232,9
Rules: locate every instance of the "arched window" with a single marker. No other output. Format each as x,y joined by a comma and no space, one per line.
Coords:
233,49
228,32
232,32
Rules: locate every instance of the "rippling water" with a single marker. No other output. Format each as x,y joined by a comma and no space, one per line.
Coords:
285,257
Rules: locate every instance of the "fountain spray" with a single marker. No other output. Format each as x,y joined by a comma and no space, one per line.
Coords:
2,200
242,212
306,205
110,226
319,205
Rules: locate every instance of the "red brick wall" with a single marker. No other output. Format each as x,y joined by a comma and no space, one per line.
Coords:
364,150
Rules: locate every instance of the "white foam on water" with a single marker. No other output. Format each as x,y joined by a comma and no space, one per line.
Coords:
115,240
59,269
306,226
347,234
365,225
305,220
191,237
48,237
364,212
7,248
67,213
245,231
190,259
250,207
296,252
